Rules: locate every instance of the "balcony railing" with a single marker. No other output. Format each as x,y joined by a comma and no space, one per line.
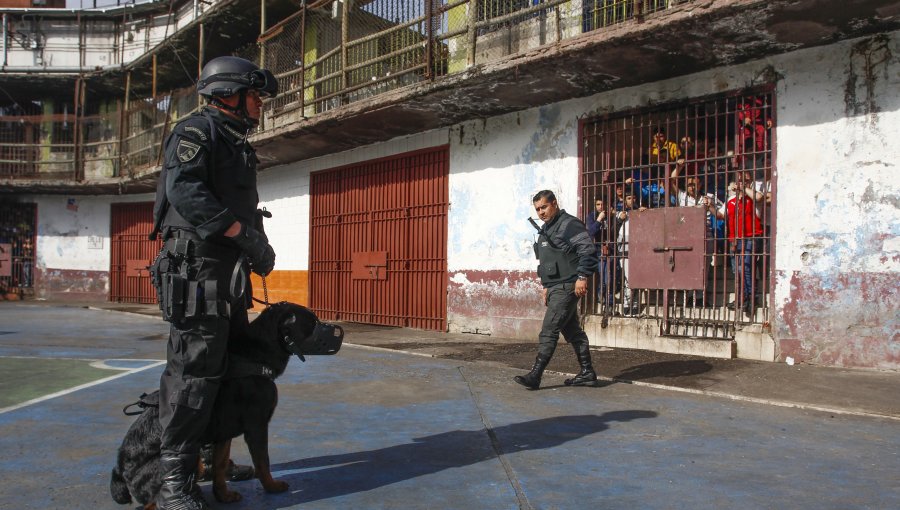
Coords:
325,57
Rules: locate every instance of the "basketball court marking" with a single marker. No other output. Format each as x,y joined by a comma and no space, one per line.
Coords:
128,367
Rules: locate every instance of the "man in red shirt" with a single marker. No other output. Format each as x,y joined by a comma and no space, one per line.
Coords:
754,130
744,231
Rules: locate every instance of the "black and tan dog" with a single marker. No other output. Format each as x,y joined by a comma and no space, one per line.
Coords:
244,405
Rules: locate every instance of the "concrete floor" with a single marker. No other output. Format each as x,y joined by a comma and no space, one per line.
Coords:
371,429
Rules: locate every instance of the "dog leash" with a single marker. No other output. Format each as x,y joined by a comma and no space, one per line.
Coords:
238,277
265,299
265,294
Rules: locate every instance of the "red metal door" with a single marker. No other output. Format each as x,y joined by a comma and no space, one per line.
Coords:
378,241
131,253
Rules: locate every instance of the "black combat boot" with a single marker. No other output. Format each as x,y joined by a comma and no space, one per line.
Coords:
532,380
587,376
749,306
179,490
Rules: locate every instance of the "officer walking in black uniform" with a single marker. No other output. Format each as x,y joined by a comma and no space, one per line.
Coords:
567,258
206,211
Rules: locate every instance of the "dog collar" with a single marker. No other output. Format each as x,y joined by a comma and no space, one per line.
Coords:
238,367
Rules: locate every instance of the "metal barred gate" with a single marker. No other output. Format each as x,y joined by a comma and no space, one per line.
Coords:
17,249
131,253
684,164
378,241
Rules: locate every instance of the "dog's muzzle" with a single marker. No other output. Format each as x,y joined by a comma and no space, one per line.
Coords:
325,339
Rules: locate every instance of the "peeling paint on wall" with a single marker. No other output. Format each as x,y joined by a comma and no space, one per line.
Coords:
497,303
837,256
849,319
869,62
71,285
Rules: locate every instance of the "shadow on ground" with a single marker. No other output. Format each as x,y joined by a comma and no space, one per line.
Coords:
330,476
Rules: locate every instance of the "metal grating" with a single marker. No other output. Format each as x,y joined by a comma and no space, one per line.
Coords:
659,155
18,239
388,218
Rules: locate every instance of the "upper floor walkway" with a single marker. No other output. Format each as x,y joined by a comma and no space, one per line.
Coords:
89,95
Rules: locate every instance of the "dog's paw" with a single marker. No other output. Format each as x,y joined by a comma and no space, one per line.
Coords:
226,496
275,486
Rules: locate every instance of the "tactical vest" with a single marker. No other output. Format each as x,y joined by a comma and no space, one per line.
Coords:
232,182
556,265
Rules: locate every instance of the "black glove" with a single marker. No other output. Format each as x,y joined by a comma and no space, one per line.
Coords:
256,246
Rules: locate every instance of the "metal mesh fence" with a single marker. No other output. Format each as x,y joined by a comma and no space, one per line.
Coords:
37,141
603,13
19,137
325,57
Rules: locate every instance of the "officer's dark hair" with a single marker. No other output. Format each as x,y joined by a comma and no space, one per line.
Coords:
546,194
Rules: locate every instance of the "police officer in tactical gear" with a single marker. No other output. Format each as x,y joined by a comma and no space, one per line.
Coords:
567,257
206,211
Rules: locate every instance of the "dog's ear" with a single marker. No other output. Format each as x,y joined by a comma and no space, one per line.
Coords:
287,321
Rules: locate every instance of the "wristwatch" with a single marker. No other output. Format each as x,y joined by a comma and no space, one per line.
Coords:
582,277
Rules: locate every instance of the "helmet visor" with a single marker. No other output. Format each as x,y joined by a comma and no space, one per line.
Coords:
264,81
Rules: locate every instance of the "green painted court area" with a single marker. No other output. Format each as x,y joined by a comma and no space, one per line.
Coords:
23,379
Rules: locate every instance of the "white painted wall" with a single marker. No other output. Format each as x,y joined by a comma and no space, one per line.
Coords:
496,166
76,239
839,177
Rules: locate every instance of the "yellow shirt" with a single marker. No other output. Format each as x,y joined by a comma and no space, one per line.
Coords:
671,147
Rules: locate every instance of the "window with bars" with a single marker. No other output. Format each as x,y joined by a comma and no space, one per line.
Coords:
711,153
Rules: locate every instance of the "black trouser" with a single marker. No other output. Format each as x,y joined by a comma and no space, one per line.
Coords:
196,358
561,317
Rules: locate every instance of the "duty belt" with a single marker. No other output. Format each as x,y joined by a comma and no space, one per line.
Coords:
200,248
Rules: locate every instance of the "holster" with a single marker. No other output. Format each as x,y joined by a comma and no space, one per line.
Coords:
179,292
173,292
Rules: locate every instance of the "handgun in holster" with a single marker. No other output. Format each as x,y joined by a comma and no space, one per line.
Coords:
169,276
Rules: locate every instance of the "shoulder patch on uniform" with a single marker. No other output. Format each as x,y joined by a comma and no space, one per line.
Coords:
197,130
186,150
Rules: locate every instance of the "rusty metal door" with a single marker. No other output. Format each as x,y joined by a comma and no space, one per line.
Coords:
131,253
378,241
667,249
668,253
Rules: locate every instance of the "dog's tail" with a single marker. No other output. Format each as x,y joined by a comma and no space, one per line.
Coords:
118,489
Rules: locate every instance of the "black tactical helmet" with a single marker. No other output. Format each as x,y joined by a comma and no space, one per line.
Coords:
226,76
